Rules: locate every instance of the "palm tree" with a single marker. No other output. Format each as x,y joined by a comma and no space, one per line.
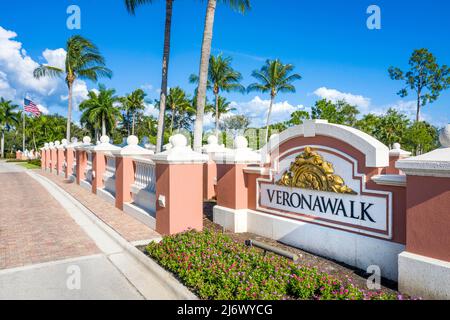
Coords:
223,107
8,118
221,77
131,7
132,104
239,5
178,102
274,77
83,61
100,109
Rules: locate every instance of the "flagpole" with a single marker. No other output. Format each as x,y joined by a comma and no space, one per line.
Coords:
23,136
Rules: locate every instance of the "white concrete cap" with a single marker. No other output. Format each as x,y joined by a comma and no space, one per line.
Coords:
51,145
241,153
46,145
398,152
86,144
180,152
376,153
104,145
73,143
435,163
132,148
213,145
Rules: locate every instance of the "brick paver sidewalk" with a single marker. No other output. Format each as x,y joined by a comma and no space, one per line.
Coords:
128,227
34,227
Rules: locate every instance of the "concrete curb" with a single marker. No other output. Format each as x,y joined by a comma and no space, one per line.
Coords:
179,290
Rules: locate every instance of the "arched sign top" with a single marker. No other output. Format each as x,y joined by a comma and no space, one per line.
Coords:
375,152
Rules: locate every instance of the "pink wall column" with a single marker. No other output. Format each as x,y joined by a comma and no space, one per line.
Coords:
81,164
125,169
18,155
209,180
179,188
42,159
98,167
60,158
395,155
232,186
68,153
53,159
182,187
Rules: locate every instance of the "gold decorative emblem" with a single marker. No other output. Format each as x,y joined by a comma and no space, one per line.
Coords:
311,171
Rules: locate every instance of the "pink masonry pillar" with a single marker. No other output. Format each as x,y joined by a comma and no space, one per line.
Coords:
424,268
125,169
179,188
210,168
60,159
394,155
43,158
68,153
18,155
98,169
232,185
81,156
52,152
99,161
124,179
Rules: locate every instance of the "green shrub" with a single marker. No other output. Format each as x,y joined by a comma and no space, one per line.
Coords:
36,162
216,267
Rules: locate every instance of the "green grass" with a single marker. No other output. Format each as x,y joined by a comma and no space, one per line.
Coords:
28,165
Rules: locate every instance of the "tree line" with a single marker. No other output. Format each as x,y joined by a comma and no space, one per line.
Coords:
104,112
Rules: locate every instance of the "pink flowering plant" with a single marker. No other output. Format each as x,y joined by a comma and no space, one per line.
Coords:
216,267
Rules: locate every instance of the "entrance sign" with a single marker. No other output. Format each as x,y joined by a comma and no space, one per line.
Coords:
310,189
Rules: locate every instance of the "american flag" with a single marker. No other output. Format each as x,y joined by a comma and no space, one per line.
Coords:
30,106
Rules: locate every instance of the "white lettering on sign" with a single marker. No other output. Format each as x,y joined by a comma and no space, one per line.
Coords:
356,212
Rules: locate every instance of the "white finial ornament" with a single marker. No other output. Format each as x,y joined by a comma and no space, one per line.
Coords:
64,142
132,141
87,140
240,142
444,136
57,143
179,140
213,140
104,139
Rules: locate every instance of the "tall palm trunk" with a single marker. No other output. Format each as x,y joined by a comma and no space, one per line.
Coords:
173,119
69,110
203,74
217,114
165,71
132,125
3,144
268,118
103,125
418,108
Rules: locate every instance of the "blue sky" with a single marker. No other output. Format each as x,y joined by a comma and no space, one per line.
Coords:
327,41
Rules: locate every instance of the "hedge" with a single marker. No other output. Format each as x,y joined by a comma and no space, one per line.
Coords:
214,266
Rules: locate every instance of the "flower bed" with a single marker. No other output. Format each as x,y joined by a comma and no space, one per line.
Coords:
216,267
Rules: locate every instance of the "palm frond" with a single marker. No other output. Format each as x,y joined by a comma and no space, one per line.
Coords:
47,71
131,5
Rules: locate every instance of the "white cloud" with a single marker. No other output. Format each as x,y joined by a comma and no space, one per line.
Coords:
17,80
335,95
6,91
43,109
257,109
79,93
151,110
147,87
19,67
